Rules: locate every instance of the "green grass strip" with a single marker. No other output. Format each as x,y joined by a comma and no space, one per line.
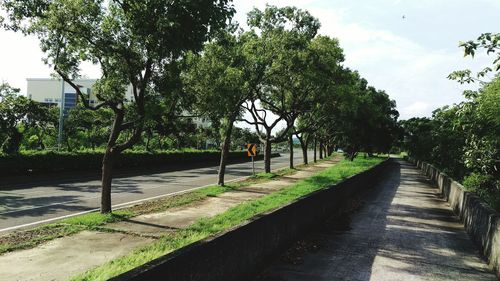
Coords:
206,227
91,221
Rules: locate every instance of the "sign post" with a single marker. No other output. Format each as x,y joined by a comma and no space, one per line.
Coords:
61,118
252,151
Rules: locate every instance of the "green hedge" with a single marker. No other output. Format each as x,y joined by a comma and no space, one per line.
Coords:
47,162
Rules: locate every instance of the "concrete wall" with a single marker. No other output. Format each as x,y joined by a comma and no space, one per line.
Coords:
481,221
239,252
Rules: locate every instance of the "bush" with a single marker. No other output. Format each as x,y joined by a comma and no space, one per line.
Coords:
51,161
485,186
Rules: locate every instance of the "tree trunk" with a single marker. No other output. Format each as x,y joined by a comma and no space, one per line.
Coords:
267,153
68,145
303,145
315,148
148,139
160,142
224,152
352,155
320,150
108,162
41,145
291,151
13,142
107,176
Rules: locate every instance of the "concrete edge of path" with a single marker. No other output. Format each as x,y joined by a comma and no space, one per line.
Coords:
481,222
245,248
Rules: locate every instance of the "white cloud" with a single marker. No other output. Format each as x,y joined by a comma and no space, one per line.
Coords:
417,109
413,73
21,58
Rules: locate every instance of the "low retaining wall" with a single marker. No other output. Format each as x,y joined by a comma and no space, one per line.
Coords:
480,220
237,253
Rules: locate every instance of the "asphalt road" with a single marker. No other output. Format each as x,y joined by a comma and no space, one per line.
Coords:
56,199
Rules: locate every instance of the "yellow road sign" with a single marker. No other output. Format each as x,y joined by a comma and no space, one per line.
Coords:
252,149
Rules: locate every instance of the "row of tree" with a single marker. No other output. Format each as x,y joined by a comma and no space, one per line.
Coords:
188,57
27,125
464,139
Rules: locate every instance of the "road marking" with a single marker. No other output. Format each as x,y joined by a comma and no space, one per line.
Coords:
122,205
115,194
116,207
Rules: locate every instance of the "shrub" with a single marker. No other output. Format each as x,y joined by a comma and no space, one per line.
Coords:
485,186
50,161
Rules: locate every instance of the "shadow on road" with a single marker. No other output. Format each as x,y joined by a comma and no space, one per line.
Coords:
18,206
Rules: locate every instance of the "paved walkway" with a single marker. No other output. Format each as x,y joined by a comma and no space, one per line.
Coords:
64,257
404,231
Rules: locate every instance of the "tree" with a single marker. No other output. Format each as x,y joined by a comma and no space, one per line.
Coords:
479,119
222,80
324,74
16,114
479,122
279,41
87,128
463,141
43,121
241,137
133,42
487,41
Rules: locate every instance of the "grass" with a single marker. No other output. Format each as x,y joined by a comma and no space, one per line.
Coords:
33,237
94,221
206,227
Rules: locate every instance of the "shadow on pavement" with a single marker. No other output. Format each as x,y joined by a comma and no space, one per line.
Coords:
404,230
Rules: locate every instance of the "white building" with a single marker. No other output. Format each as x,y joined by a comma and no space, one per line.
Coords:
50,91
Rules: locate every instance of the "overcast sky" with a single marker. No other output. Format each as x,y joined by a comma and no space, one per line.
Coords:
404,47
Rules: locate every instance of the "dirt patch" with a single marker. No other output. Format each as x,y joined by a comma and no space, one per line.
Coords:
341,221
25,239
36,236
56,260
295,254
166,203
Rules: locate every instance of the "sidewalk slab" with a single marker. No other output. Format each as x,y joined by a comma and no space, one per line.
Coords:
159,223
181,217
64,257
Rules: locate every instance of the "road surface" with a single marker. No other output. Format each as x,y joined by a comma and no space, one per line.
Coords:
56,199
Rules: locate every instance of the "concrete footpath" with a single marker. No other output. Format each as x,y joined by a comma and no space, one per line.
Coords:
403,231
64,257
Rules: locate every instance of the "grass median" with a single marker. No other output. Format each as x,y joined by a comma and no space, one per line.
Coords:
206,227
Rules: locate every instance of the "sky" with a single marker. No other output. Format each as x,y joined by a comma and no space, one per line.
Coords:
404,47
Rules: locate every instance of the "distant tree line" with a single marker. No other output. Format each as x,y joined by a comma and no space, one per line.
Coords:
188,59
